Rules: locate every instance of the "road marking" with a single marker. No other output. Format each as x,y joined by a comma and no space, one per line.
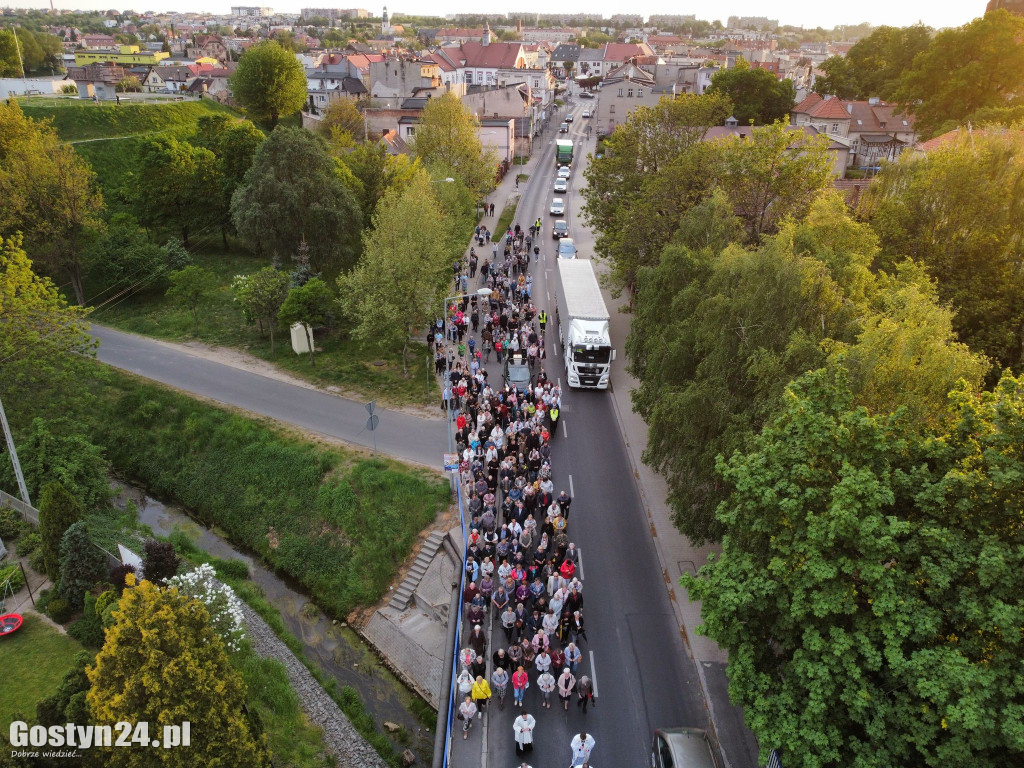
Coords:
548,294
565,431
593,673
580,551
572,493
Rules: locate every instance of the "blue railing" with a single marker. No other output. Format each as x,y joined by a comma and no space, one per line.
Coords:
450,715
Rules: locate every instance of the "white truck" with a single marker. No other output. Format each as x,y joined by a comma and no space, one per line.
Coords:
583,325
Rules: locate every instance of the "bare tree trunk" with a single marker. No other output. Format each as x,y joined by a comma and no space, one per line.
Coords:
309,340
76,282
271,338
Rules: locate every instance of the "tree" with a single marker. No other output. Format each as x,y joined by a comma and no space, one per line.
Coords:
81,564
395,288
952,211
58,511
839,78
269,82
192,286
964,70
124,254
40,331
344,117
448,139
293,192
656,166
159,560
869,586
10,64
775,173
260,295
877,62
220,600
168,184
309,304
758,97
56,451
376,171
162,663
49,193
129,84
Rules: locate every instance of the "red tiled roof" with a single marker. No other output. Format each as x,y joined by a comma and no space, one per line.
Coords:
831,109
951,136
503,55
442,61
361,61
812,99
452,32
624,51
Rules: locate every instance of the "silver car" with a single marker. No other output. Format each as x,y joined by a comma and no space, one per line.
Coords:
517,373
561,185
557,207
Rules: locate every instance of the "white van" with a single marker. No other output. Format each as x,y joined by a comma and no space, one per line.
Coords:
682,748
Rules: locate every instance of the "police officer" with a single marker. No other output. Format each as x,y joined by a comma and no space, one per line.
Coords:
542,319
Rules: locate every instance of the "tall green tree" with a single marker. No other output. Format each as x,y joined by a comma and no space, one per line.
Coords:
81,565
966,69
269,82
192,287
878,61
396,287
343,116
447,139
260,295
377,172
309,304
49,192
54,451
775,173
10,63
173,183
869,586
758,97
293,192
957,210
162,663
839,78
58,511
656,166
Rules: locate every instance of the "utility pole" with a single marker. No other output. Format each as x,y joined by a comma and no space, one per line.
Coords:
14,456
21,61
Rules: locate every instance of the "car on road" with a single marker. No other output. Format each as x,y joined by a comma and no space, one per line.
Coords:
563,128
563,171
682,748
558,207
586,113
568,118
517,372
560,229
586,95
566,248
561,185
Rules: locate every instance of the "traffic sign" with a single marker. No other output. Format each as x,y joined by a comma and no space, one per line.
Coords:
372,422
370,406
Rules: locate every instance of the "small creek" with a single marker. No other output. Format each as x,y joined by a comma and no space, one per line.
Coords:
337,649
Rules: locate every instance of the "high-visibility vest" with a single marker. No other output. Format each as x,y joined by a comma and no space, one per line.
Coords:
554,414
542,318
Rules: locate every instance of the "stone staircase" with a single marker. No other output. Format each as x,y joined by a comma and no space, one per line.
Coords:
406,590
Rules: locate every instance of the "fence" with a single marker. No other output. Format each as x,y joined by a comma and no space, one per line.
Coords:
774,761
449,713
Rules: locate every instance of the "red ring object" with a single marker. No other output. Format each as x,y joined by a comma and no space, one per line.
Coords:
9,623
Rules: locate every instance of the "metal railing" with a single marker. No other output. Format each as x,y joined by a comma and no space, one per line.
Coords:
454,660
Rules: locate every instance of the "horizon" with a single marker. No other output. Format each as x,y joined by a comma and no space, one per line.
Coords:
799,13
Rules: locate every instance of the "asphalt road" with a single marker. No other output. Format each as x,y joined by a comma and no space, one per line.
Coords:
645,678
398,434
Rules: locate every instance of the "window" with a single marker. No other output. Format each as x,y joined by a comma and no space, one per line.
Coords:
630,94
881,124
410,130
639,93
469,78
536,82
611,109
620,91
835,127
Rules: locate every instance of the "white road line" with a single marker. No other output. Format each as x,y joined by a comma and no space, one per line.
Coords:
548,294
572,493
565,431
580,551
593,673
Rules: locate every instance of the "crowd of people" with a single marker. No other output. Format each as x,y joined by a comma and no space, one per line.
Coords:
522,568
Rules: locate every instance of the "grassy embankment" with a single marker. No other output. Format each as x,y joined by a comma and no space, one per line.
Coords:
122,130
33,660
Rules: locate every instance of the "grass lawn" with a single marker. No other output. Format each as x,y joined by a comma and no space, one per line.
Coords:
78,119
342,363
33,660
505,220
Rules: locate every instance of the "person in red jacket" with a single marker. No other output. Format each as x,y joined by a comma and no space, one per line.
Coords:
567,569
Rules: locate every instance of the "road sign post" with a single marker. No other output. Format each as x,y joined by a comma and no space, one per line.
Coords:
372,422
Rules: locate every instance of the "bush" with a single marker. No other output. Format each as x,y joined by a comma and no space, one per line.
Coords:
230,569
220,600
69,90
56,452
81,565
59,610
58,510
12,572
29,543
88,630
43,600
36,561
159,561
118,576
10,524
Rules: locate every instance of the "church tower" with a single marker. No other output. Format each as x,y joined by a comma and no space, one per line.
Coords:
385,27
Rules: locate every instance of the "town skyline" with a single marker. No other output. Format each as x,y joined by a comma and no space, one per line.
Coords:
788,12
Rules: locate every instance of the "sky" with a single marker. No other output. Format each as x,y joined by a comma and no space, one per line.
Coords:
809,13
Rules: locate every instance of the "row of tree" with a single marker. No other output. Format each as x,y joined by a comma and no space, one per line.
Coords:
816,400
969,73
40,53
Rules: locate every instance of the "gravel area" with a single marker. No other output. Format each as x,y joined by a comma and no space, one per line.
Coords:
343,740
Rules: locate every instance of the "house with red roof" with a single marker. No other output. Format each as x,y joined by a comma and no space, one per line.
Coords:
874,130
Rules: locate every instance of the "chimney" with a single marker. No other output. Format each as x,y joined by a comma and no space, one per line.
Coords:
486,39
849,108
383,132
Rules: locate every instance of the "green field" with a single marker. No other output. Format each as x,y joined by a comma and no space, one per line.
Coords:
79,119
33,660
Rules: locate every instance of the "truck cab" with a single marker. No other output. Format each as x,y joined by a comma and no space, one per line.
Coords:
588,354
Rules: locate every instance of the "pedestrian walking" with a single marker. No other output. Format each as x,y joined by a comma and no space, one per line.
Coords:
546,683
566,685
465,681
520,682
467,710
585,692
523,727
582,745
499,682
573,657
481,694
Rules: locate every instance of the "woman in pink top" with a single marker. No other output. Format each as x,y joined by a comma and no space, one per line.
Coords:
520,682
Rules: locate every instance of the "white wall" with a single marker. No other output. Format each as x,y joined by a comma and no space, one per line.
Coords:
15,86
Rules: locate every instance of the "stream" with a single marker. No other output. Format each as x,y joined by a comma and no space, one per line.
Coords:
337,649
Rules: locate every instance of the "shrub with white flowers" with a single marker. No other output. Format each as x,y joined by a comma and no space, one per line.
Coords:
220,600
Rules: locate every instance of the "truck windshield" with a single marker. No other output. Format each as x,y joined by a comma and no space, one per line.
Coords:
595,355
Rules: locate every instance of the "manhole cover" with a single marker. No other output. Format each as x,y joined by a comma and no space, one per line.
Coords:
378,363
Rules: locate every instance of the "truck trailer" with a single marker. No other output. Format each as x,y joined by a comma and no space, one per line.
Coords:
583,330
563,152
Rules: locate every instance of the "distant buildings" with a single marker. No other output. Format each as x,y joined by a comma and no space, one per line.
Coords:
1013,6
251,11
335,14
124,55
752,22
